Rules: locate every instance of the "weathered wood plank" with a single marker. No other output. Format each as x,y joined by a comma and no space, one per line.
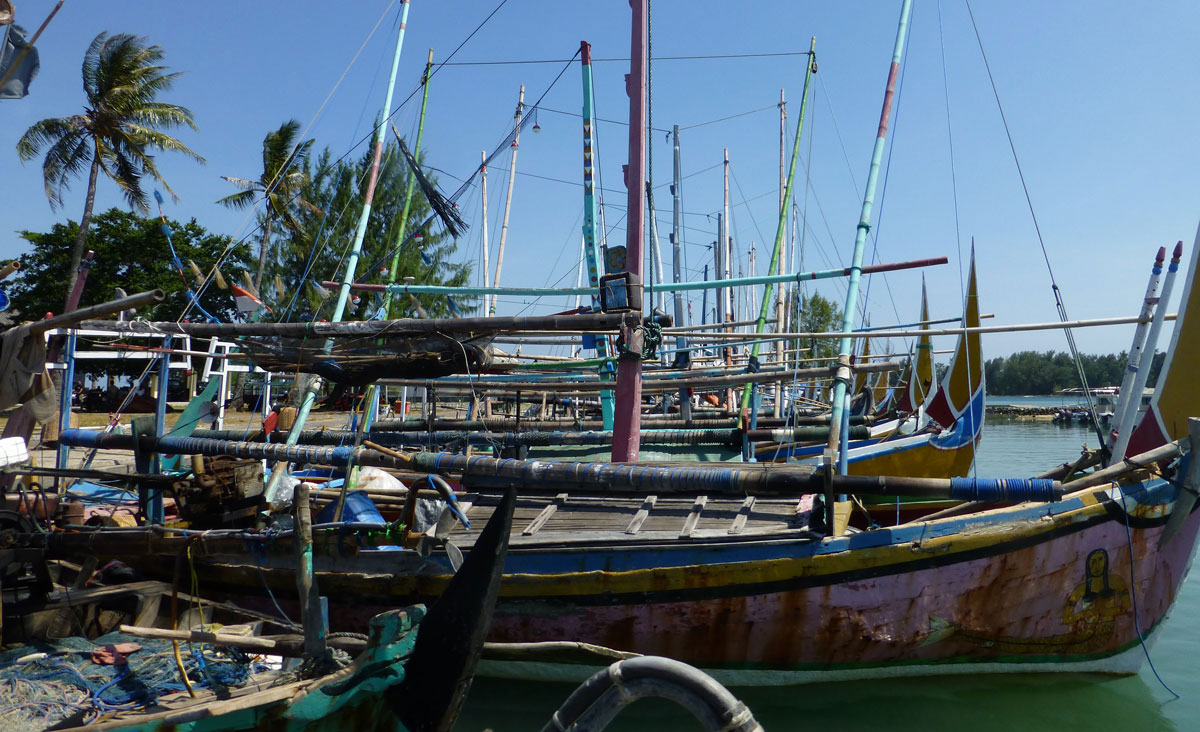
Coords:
739,521
545,515
639,518
693,518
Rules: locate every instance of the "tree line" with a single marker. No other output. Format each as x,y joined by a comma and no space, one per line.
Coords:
1049,372
307,210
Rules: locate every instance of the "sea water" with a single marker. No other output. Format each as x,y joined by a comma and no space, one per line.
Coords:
979,703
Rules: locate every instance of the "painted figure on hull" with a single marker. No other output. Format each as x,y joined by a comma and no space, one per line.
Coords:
1090,610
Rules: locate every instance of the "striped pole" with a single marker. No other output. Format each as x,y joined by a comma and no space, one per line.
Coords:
864,225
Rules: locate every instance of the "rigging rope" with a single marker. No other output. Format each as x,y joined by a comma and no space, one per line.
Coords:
1062,308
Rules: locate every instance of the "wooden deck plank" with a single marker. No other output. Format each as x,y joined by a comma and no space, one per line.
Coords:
739,521
694,517
545,515
639,518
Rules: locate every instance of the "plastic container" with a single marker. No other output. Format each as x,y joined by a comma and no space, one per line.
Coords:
359,509
13,451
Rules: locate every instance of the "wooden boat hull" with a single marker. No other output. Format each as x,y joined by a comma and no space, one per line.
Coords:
1025,588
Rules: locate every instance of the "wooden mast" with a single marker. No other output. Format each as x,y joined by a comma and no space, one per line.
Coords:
627,420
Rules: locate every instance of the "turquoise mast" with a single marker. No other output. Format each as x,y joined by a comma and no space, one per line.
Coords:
843,376
313,384
591,249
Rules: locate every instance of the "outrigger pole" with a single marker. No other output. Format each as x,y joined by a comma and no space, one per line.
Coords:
843,378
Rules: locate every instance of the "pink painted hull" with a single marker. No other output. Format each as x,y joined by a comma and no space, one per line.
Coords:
1008,607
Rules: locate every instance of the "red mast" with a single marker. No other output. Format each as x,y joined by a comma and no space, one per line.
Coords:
628,417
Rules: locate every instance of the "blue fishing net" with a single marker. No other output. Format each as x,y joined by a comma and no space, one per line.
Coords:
45,683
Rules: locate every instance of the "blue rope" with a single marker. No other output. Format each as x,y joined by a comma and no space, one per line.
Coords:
1015,490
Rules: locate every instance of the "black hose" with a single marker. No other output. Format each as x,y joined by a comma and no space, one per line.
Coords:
599,699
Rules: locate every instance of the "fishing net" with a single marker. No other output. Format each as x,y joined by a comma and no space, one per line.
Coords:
44,684
361,361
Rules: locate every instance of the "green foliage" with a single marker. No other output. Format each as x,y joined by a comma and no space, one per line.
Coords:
815,314
334,189
118,132
1030,372
131,253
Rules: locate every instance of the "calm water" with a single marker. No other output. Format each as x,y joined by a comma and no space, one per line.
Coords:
1052,702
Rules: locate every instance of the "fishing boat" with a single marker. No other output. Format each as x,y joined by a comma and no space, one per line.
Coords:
410,671
736,569
762,573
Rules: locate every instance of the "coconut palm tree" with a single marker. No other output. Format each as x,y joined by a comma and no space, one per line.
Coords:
118,130
278,186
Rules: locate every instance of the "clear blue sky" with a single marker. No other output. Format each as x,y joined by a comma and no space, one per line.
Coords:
1102,102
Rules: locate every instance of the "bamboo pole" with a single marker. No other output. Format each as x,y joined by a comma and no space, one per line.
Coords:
781,223
600,322
650,288
74,318
783,197
512,176
1125,428
1125,393
412,180
591,249
685,400
649,385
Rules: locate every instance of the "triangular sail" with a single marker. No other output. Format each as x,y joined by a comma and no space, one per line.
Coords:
918,380
956,395
1176,397
861,378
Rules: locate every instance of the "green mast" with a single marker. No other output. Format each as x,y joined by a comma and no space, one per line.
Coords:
408,194
591,247
781,227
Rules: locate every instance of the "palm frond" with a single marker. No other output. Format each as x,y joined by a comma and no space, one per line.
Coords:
149,137
245,185
91,66
161,114
242,199
47,132
68,157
